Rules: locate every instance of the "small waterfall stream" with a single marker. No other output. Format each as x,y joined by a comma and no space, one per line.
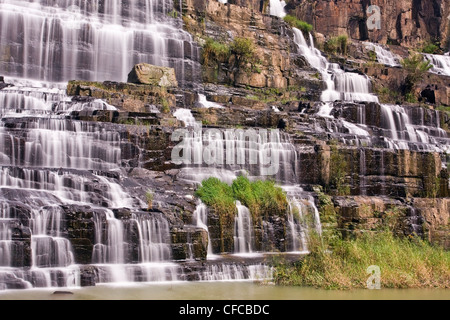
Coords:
341,85
441,63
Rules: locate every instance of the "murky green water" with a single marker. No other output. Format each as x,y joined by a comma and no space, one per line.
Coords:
220,291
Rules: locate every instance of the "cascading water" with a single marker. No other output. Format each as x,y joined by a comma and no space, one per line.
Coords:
341,85
234,152
441,63
384,56
227,153
276,8
52,165
244,237
397,128
97,41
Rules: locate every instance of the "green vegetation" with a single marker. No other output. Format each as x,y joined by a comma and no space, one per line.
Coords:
387,95
261,197
342,264
299,24
173,14
214,51
338,172
165,106
217,195
149,197
431,48
416,66
372,56
244,50
337,45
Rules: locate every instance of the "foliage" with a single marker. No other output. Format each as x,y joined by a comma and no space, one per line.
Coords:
338,172
416,66
243,49
214,51
372,55
342,264
217,195
299,24
261,197
165,108
431,48
149,197
337,45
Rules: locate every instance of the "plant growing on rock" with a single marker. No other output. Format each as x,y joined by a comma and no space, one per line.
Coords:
416,66
215,51
337,45
244,50
217,195
149,196
299,24
338,172
263,198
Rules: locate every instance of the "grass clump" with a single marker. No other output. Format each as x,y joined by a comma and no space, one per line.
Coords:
263,198
337,45
404,263
299,24
217,195
243,49
431,48
215,51
416,66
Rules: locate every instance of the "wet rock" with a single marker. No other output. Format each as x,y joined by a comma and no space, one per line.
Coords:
189,243
144,73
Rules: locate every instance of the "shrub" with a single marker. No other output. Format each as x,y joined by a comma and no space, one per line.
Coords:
243,49
215,51
263,198
217,195
299,24
431,48
416,66
149,197
337,45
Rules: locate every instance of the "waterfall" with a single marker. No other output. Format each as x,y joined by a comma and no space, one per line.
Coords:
441,63
341,85
244,237
234,272
384,56
207,104
226,153
96,42
185,116
302,216
401,131
276,8
200,218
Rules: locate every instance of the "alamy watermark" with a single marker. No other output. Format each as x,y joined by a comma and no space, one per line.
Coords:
374,281
374,21
228,147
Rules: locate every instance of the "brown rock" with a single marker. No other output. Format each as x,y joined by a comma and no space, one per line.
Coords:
144,73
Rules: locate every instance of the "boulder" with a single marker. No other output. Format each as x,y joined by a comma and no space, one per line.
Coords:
144,73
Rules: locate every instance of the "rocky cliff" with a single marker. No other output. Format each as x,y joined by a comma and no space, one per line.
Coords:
360,166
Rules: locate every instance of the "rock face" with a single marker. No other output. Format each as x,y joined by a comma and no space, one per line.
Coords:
124,96
407,22
144,73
